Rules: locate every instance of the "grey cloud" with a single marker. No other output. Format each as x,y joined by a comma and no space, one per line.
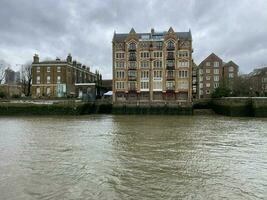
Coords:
234,30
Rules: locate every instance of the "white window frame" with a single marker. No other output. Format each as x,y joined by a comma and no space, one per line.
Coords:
48,79
58,79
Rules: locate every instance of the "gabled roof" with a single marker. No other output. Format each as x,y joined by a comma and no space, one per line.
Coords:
121,37
230,63
258,71
211,56
132,31
170,30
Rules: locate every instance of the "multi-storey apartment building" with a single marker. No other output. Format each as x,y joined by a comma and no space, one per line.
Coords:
210,74
212,71
152,67
60,78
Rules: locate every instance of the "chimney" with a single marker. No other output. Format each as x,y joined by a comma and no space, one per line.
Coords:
84,67
36,58
69,58
152,31
74,63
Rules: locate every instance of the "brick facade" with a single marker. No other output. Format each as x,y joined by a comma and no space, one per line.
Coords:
57,78
212,71
152,67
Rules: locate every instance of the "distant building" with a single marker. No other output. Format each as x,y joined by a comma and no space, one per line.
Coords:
258,82
212,72
152,67
230,72
10,76
194,81
10,90
62,78
107,85
17,77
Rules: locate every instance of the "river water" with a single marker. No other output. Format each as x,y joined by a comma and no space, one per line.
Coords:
133,157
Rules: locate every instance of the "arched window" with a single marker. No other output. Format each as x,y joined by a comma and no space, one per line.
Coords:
170,45
132,46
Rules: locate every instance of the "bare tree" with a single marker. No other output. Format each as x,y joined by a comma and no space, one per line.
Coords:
2,72
26,78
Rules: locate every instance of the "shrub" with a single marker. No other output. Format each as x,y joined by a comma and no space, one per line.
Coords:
15,96
221,91
2,94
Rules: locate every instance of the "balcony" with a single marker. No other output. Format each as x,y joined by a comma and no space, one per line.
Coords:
132,49
170,67
132,78
132,58
170,48
170,88
170,77
170,56
132,67
132,89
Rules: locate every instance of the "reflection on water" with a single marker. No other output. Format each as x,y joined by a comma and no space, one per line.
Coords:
133,157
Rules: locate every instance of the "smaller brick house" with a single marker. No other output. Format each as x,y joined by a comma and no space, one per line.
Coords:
212,71
60,78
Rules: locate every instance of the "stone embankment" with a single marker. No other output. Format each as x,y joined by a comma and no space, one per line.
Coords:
230,106
241,106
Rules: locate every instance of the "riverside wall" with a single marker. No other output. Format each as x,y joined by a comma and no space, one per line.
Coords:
240,106
229,106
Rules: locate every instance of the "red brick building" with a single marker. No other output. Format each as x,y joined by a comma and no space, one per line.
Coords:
212,71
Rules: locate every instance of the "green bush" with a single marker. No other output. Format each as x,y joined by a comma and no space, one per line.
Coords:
15,96
221,91
2,94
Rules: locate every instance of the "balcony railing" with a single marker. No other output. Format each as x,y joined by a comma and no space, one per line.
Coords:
170,48
132,89
170,67
132,58
170,77
170,88
132,67
132,78
132,49
170,57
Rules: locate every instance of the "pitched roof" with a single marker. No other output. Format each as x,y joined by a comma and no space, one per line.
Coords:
230,63
258,71
121,37
212,55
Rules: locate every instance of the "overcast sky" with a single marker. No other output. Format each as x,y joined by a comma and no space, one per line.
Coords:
233,29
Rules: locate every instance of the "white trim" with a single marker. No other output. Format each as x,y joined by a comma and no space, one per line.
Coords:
38,85
80,84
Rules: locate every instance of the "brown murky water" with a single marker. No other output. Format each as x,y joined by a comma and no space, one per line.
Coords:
133,157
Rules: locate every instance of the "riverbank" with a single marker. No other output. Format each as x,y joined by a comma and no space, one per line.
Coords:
74,108
238,106
235,107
